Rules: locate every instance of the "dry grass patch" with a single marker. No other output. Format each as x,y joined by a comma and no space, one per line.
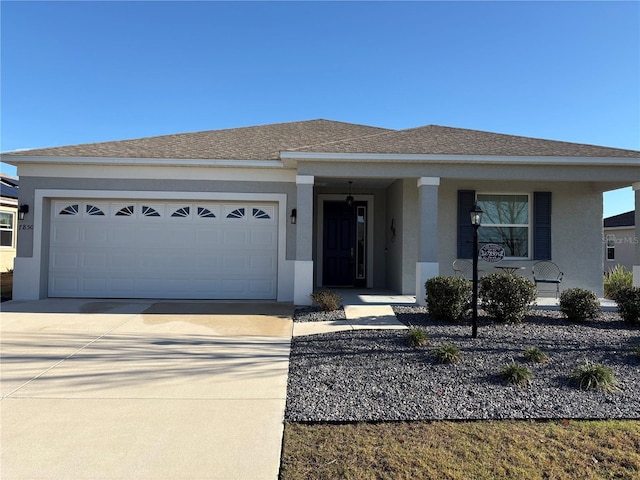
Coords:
463,450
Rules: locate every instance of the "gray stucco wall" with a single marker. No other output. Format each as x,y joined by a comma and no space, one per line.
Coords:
394,201
576,228
28,185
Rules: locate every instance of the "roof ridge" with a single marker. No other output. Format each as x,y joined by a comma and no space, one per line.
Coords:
197,132
385,132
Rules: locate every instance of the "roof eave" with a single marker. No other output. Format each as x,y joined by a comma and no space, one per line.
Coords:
290,158
137,162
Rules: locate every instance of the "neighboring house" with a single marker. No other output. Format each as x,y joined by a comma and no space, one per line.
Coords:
262,212
621,241
8,221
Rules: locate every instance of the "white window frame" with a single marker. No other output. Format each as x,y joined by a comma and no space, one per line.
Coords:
528,226
11,228
610,245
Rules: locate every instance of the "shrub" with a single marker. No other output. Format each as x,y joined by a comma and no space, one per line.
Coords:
447,353
535,355
590,376
448,298
636,351
516,374
579,304
327,300
416,338
507,297
615,279
628,300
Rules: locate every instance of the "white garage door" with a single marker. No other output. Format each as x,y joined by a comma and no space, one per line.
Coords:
133,249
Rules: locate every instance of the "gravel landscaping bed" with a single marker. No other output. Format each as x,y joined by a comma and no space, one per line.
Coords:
372,375
314,314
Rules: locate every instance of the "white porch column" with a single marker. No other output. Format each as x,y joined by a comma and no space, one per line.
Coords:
427,266
636,260
303,268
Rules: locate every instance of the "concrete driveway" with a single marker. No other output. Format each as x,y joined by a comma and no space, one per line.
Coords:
98,389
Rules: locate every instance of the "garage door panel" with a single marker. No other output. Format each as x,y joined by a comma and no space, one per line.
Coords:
132,249
94,261
65,259
65,234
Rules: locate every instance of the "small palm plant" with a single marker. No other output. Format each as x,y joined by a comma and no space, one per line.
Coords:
516,374
447,353
591,376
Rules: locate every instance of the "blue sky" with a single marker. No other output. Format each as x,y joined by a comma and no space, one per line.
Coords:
76,72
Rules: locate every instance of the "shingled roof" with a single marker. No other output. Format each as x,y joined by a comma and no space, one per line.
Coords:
265,142
434,139
627,219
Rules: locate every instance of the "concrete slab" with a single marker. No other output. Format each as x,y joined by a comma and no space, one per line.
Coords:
185,366
152,439
372,316
104,389
314,328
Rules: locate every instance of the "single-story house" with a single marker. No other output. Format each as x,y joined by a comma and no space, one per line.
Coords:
275,211
8,221
621,240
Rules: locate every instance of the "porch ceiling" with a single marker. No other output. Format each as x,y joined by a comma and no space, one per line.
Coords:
359,183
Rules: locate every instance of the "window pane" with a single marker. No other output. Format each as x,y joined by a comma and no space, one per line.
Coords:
514,240
6,238
6,219
504,209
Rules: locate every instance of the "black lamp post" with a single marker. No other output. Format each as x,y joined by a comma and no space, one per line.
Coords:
476,220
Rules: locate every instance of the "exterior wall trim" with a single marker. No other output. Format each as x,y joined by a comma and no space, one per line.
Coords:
320,237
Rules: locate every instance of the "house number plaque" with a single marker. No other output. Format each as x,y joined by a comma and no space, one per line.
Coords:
492,253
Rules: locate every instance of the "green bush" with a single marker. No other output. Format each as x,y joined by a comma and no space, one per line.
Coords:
579,304
615,279
590,376
628,300
535,355
515,374
416,337
326,299
447,353
448,298
507,297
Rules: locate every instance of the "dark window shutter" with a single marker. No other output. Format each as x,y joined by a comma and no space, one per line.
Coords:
542,225
466,200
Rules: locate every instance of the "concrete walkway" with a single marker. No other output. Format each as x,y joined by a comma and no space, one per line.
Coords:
142,390
358,317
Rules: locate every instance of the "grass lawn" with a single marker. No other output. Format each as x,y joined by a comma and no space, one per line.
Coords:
478,450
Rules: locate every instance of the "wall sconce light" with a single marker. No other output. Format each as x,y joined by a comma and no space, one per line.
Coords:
294,216
22,211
